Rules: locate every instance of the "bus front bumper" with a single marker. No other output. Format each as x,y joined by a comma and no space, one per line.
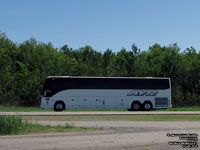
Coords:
45,103
45,106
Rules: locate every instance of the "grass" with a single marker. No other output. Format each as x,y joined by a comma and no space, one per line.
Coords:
22,109
138,146
13,125
36,128
193,108
117,118
38,109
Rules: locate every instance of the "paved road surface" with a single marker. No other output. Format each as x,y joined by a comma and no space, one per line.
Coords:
102,113
114,135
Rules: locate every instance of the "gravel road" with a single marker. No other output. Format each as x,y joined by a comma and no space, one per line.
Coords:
113,135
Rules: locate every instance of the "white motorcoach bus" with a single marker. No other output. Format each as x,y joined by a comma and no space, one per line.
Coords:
134,93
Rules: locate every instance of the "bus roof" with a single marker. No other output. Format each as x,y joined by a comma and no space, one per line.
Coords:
108,77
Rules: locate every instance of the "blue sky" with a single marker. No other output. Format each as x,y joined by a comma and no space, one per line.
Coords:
103,24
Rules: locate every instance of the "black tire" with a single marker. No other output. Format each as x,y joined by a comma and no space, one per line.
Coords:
136,106
59,106
147,106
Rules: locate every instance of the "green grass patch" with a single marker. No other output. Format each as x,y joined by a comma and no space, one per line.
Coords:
36,128
117,118
138,146
13,125
22,109
194,108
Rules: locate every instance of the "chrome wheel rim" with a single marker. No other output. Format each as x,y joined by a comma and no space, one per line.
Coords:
136,106
59,106
147,106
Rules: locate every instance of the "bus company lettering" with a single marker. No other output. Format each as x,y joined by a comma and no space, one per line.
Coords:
142,93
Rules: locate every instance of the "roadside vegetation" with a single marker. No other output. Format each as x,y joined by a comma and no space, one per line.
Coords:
14,125
24,67
194,108
117,118
23,109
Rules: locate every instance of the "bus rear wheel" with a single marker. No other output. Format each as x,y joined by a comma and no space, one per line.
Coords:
59,106
147,106
136,106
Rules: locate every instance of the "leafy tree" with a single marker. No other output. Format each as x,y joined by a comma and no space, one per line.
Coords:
108,60
24,67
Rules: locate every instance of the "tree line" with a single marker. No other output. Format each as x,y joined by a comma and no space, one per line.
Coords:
24,67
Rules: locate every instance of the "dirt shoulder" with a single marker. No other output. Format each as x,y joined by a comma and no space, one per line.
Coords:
120,135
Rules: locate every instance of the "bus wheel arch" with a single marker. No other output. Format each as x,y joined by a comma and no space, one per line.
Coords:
147,105
136,105
59,105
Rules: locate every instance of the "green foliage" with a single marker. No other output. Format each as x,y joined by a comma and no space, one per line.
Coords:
11,125
25,66
23,109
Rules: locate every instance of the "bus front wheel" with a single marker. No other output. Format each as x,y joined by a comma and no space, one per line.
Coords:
59,106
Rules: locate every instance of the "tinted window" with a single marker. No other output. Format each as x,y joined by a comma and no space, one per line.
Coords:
105,83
